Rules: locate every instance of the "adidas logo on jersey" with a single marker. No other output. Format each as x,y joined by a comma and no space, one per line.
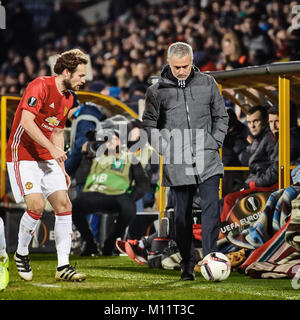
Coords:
52,105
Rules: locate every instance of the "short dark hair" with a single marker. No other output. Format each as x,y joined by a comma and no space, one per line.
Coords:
70,60
262,110
273,110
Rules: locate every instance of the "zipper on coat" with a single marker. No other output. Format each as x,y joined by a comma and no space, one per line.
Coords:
194,165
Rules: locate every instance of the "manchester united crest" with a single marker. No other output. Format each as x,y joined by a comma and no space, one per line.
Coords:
28,185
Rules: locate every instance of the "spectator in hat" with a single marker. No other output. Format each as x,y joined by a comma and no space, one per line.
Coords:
102,88
97,86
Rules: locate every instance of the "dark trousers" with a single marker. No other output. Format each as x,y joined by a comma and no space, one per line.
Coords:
182,197
95,202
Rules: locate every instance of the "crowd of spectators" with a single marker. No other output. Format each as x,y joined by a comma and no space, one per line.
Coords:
131,45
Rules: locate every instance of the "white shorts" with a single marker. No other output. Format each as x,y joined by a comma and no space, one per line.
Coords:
28,177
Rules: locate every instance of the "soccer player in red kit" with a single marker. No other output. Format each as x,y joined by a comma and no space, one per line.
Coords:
35,160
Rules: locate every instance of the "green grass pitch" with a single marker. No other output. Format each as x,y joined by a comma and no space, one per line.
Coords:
119,278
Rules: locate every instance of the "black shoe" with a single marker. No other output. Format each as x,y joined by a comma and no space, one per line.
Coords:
90,250
187,276
108,247
187,272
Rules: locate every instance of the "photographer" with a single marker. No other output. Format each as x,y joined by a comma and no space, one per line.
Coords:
86,117
116,180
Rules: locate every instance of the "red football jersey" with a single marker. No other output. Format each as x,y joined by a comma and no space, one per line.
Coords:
51,109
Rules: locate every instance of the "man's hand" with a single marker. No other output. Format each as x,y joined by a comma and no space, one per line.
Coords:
58,154
250,139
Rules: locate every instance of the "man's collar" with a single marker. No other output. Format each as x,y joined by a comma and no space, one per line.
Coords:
179,83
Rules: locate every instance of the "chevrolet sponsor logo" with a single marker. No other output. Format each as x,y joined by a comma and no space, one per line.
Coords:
52,121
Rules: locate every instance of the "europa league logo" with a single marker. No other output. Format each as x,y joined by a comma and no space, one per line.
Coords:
2,17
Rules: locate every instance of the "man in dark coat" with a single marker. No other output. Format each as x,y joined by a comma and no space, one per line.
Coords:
234,154
186,122
263,160
294,133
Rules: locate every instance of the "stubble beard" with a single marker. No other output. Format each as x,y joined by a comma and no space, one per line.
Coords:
68,86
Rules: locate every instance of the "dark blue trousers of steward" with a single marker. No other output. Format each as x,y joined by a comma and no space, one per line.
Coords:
182,198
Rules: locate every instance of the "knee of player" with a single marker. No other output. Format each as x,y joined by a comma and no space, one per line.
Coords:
64,205
37,206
